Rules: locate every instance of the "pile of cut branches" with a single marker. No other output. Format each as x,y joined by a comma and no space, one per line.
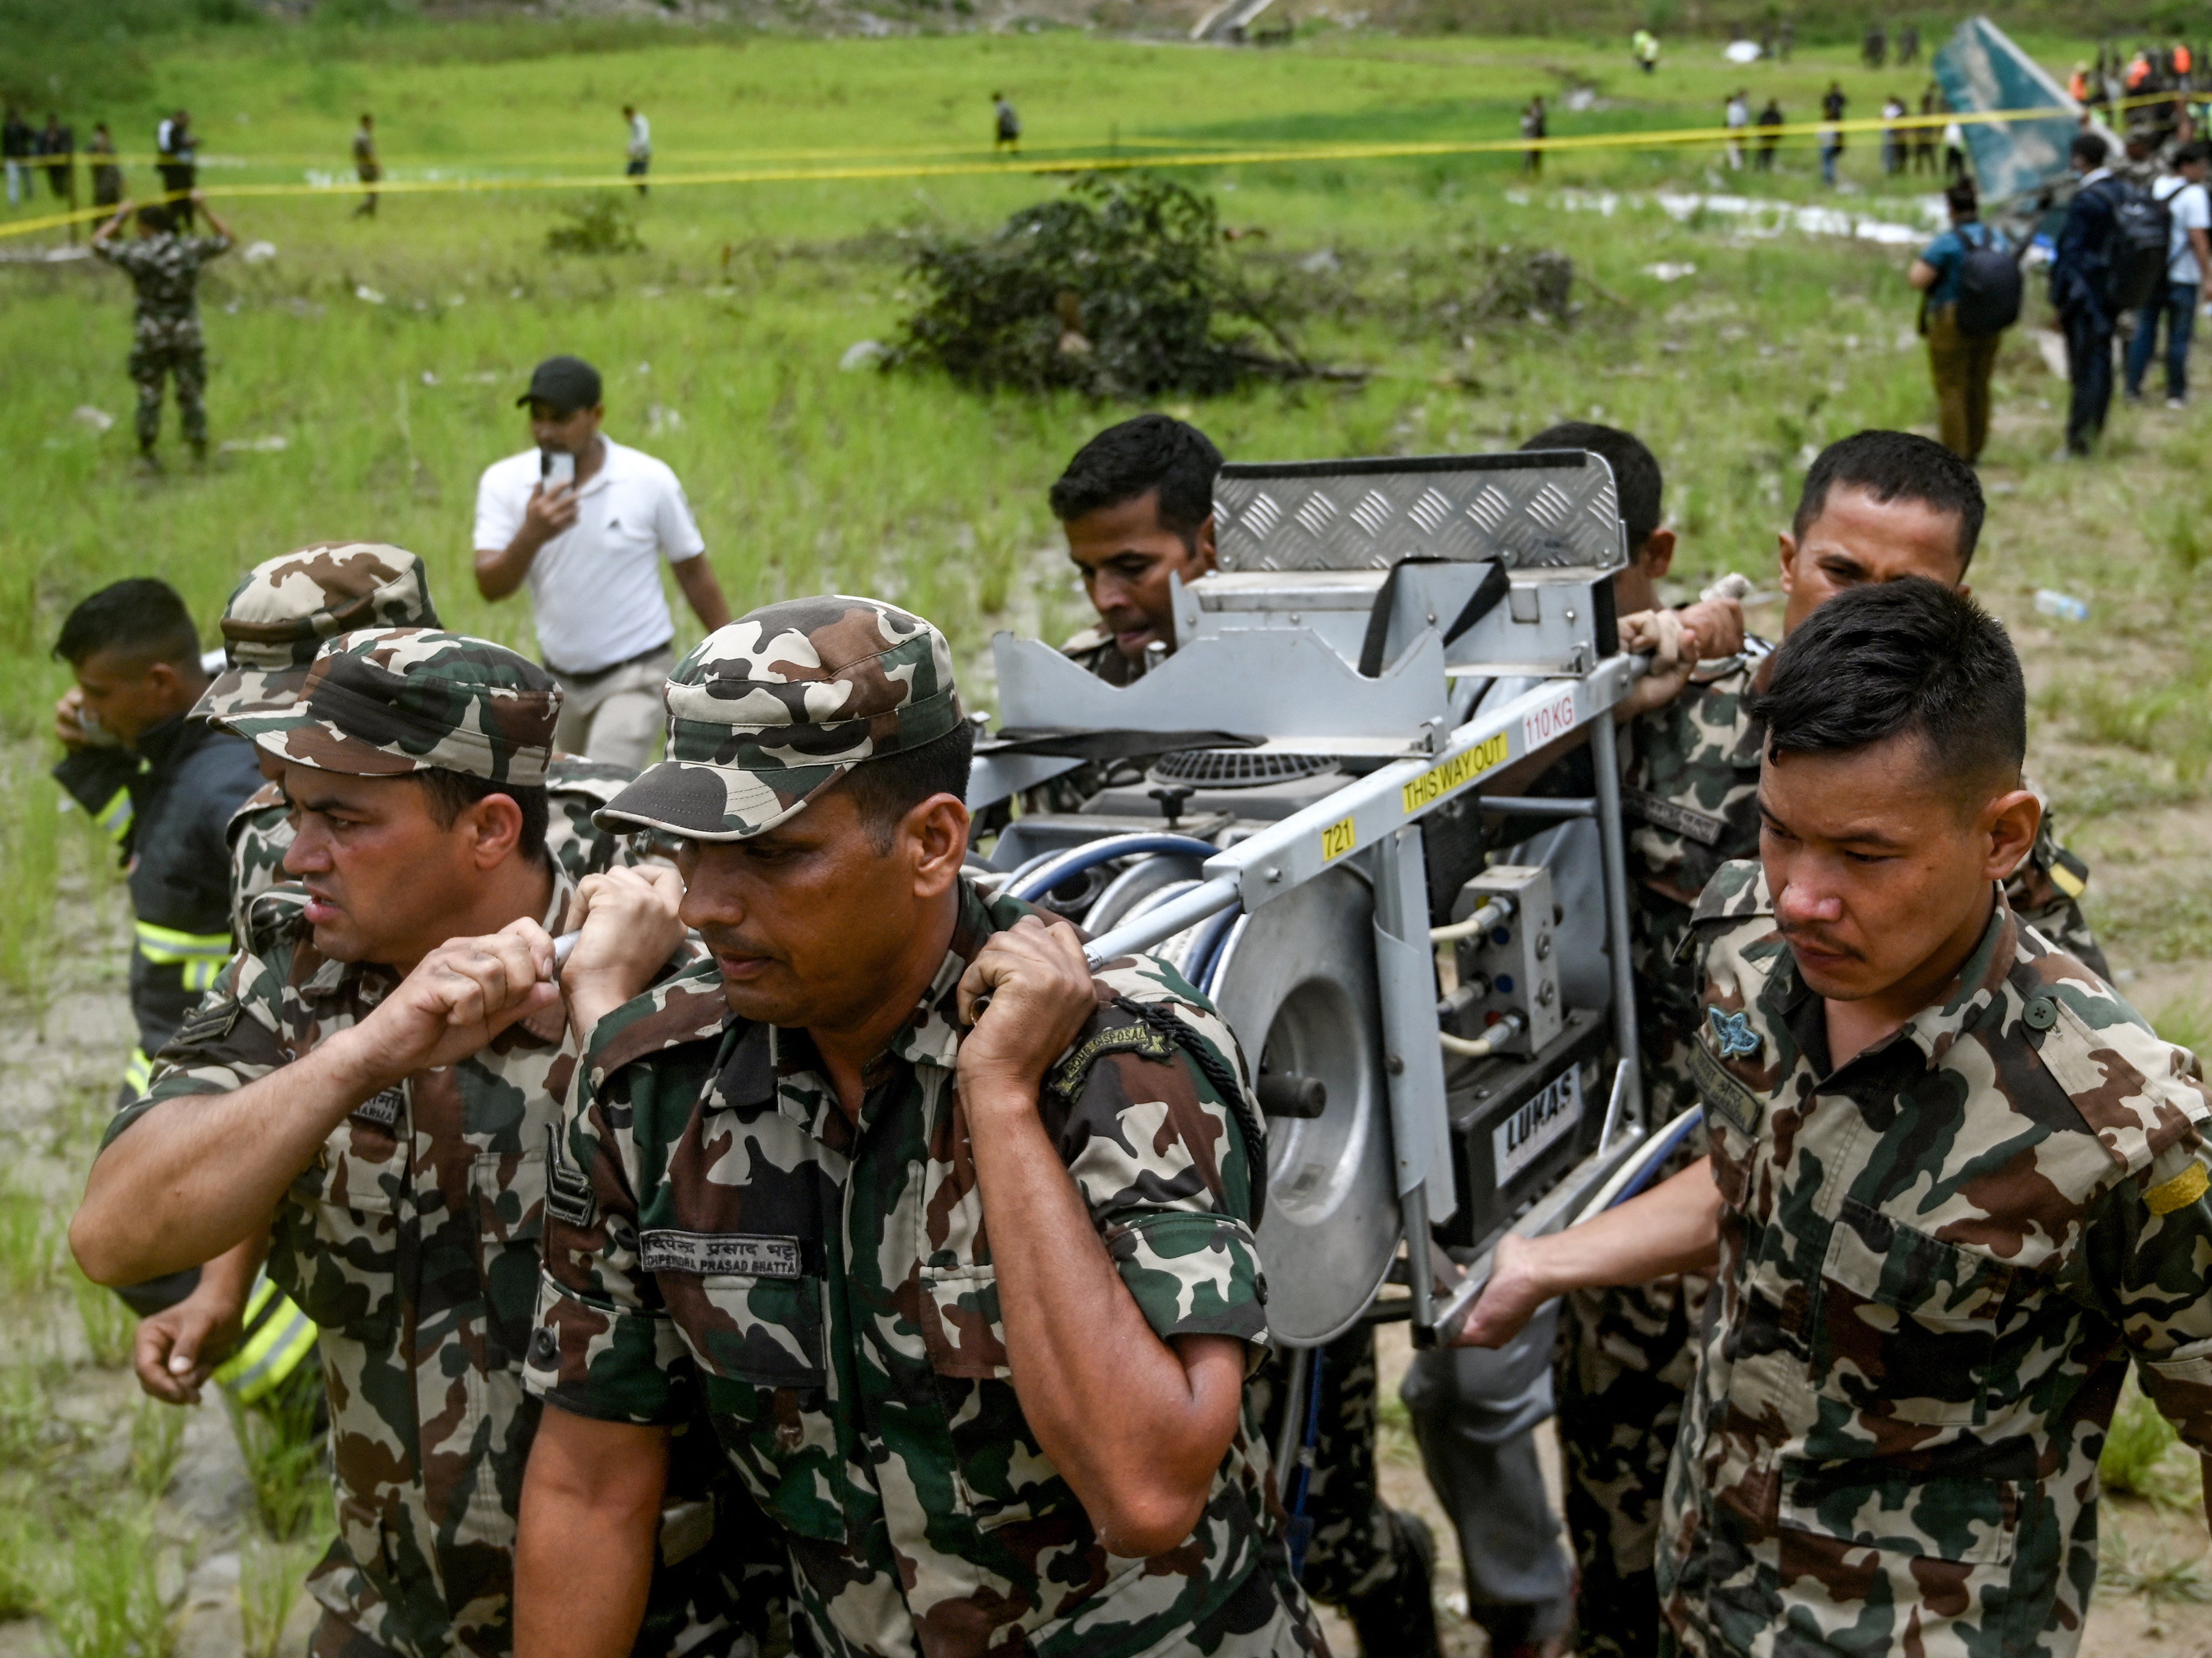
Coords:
1117,288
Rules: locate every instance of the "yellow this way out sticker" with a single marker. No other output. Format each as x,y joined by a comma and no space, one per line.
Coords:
1440,780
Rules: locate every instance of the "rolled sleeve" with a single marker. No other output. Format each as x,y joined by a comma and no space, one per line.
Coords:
605,1345
1161,1160
1191,1274
2165,1314
230,1038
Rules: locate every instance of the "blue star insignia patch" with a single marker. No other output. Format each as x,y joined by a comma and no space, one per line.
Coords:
1733,1031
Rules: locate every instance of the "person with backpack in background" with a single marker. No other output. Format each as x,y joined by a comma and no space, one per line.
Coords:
2188,276
2082,288
1971,285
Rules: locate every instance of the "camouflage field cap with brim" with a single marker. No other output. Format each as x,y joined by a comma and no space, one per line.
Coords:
767,713
287,607
387,701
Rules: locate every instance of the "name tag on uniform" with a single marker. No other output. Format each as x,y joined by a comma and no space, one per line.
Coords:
1700,826
708,1254
1721,1090
382,1110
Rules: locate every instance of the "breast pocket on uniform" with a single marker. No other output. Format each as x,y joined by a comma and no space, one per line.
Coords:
745,1304
509,1189
1907,1325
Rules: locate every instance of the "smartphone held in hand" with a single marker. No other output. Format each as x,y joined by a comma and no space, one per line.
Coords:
557,467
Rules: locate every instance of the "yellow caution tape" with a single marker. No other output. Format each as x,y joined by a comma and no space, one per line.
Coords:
1002,165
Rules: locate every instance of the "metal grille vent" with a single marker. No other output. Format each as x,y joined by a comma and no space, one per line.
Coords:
1236,768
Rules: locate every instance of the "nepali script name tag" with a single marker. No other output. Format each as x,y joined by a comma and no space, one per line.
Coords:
1537,1126
1699,826
708,1254
382,1110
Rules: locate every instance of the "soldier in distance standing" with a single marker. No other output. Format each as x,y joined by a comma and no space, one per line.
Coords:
279,617
1956,1184
367,1094
1136,503
971,1308
1876,507
164,268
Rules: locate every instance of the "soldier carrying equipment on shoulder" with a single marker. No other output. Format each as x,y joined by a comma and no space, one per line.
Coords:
164,268
972,1309
1877,507
279,617
1136,503
1956,1186
369,1091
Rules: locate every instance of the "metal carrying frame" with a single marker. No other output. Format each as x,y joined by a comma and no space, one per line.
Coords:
1358,607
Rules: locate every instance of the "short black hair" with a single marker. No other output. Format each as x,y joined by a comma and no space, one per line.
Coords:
157,217
1963,199
2195,150
1896,467
1124,462
1636,478
1894,656
2089,147
140,617
886,790
449,794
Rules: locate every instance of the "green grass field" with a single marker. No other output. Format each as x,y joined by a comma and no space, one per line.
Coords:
368,372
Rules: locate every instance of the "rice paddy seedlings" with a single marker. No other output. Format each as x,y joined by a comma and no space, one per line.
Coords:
105,1597
108,1325
157,1445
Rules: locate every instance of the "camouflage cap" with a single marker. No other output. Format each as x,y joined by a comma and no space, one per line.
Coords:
280,615
767,713
387,701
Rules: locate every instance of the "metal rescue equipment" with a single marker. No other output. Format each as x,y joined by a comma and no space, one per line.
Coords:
1430,979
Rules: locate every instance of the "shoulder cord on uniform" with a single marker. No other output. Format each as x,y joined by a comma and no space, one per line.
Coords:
1227,1083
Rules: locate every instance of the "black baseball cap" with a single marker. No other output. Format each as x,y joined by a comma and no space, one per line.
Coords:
568,383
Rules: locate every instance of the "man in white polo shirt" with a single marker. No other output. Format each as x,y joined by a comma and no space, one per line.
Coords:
591,546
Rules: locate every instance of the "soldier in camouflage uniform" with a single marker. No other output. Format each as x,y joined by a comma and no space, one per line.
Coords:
376,1107
971,1309
164,267
1136,503
278,617
1875,507
1957,1185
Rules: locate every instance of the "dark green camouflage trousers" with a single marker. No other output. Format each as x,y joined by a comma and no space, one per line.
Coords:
151,362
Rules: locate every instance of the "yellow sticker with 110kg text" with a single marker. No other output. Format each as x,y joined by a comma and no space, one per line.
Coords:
1440,780
1337,839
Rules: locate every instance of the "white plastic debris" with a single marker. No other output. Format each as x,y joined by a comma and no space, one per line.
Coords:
863,354
274,443
1668,270
99,419
1743,52
2050,602
260,252
363,291
430,378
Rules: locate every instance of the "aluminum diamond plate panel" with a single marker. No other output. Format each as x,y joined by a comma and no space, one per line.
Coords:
1531,509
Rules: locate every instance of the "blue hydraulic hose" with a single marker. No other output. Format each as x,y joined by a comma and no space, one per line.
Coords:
1651,1164
1205,956
1089,855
